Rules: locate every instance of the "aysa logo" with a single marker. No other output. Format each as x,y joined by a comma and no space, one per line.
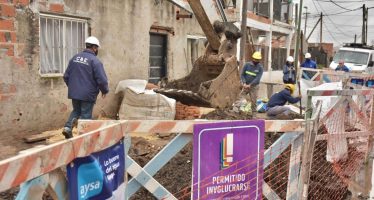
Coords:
227,150
90,180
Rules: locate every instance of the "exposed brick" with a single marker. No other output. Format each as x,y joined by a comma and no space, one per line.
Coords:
12,88
9,49
7,10
54,7
4,97
20,62
7,37
6,24
21,2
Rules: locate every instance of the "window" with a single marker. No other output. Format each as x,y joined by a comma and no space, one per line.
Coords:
195,49
60,39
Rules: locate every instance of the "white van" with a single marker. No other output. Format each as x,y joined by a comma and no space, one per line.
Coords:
356,57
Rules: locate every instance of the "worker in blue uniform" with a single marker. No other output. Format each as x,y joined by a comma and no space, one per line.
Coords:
85,77
250,80
276,105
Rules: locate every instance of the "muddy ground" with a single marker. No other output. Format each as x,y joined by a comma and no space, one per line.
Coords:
174,176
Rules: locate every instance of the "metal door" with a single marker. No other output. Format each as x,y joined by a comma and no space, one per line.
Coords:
157,57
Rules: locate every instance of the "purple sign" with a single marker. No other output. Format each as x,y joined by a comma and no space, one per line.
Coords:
228,160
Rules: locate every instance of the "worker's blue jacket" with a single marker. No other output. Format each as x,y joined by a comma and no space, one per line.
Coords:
85,77
281,98
342,68
289,74
308,63
251,74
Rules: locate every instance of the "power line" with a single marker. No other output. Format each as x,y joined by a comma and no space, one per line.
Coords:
328,31
340,6
338,13
337,28
358,1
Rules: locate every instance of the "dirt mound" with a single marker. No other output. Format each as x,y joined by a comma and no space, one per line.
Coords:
226,114
174,176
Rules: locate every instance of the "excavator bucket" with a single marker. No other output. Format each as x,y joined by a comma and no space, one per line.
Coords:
214,79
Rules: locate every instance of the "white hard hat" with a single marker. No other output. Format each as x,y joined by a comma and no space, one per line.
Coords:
92,40
290,59
307,55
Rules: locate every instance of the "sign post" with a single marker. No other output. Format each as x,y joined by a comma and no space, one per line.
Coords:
228,160
100,175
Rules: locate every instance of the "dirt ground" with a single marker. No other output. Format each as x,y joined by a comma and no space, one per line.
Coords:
174,176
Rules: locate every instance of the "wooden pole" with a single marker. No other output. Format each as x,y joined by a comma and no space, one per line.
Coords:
320,33
310,134
243,39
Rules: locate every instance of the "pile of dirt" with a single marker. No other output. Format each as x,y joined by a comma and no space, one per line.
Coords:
227,114
174,176
12,194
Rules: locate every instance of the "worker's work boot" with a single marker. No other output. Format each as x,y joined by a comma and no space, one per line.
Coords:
67,133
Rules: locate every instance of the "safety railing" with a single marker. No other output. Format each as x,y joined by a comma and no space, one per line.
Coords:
43,170
360,80
341,145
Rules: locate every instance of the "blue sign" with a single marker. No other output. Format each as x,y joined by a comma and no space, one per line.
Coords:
98,176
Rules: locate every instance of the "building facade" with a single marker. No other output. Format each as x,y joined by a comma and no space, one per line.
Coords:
140,39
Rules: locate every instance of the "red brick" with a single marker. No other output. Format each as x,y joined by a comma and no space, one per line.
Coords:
7,10
7,37
9,48
20,62
21,2
54,7
4,97
6,24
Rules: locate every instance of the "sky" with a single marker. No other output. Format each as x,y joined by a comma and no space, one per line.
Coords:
338,28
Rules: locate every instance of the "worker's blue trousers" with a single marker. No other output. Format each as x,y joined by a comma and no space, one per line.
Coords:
81,110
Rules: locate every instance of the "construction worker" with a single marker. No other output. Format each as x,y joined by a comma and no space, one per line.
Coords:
276,105
289,72
308,63
250,79
85,77
342,67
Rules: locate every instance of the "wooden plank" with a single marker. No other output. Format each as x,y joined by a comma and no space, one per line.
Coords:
308,148
205,24
148,127
294,169
41,136
344,135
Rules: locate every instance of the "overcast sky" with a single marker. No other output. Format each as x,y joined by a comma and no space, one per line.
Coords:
338,28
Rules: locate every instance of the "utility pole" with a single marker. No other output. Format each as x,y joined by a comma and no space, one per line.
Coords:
244,33
296,51
366,25
363,37
320,33
306,18
355,38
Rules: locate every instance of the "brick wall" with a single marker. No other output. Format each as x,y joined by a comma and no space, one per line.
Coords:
184,112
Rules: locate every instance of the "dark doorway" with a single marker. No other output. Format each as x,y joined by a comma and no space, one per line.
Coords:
157,57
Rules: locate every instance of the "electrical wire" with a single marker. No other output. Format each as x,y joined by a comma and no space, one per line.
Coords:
328,18
338,13
328,31
340,6
358,1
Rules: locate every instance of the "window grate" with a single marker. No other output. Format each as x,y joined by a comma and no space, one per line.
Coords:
60,39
